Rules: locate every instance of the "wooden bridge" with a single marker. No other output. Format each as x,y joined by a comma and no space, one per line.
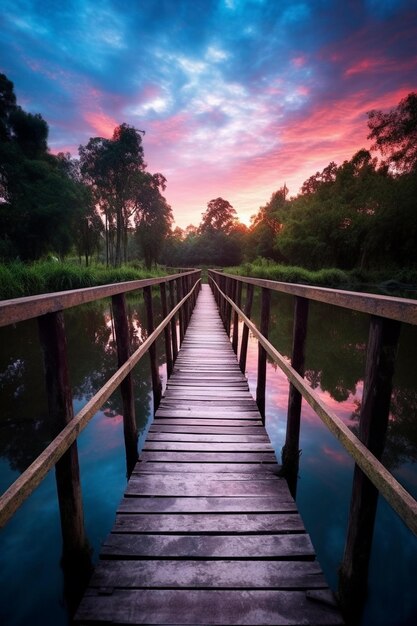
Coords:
208,531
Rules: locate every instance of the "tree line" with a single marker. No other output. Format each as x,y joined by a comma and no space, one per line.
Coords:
105,200
360,214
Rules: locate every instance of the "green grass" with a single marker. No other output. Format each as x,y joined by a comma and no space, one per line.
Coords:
390,281
331,277
18,279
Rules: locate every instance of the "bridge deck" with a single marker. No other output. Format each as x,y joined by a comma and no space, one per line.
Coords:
207,533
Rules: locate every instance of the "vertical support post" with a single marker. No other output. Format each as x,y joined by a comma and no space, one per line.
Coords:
156,381
238,300
58,389
167,330
373,423
228,311
260,387
291,451
224,305
126,386
173,322
180,312
245,333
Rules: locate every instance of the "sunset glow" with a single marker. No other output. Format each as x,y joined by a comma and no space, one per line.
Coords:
235,97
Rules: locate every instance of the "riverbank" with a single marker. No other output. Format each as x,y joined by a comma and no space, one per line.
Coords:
18,279
397,282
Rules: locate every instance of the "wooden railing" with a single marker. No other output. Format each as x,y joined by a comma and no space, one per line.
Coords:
370,476
62,451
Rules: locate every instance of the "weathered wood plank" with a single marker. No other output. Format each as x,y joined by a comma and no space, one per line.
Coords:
271,504
207,457
259,523
154,606
208,546
207,438
209,574
208,447
208,422
202,468
205,429
186,485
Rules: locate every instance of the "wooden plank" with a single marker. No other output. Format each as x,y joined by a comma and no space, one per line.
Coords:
202,468
208,546
208,457
249,523
189,422
246,607
206,429
156,485
213,574
208,447
208,438
232,504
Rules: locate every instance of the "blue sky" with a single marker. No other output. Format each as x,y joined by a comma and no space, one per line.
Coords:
236,96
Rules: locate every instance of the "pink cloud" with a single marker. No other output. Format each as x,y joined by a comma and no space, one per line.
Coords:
103,124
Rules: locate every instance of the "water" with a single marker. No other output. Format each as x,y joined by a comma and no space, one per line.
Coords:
31,578
335,361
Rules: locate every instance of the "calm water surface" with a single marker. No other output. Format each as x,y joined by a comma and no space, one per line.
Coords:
31,579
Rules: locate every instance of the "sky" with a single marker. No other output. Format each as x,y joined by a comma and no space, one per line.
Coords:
236,97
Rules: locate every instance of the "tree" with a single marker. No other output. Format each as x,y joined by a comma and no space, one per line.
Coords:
112,168
267,225
39,202
219,216
153,217
395,134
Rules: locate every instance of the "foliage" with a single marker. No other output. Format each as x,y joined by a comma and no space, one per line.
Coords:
395,134
261,268
39,202
18,279
220,216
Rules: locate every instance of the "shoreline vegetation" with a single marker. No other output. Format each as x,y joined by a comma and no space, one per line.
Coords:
391,281
18,279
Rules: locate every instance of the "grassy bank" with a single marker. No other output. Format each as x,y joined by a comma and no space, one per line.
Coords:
395,282
18,279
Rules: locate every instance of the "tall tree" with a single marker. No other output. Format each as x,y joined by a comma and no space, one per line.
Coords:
39,201
153,217
112,168
219,216
395,134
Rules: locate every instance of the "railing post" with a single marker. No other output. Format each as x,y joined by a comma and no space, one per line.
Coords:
173,322
180,312
228,307
126,386
156,381
291,451
167,330
245,332
260,387
373,422
238,301
58,389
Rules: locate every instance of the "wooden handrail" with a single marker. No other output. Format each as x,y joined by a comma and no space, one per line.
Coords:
400,500
400,309
28,307
23,486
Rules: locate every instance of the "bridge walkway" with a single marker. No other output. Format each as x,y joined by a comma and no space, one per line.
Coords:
207,531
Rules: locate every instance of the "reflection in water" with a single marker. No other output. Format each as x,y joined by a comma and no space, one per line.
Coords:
31,580
38,588
335,362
